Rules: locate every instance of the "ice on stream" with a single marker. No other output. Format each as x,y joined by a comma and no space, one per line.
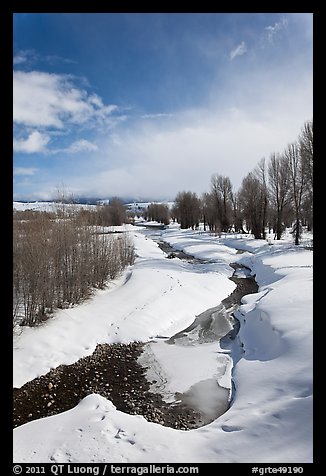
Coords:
195,370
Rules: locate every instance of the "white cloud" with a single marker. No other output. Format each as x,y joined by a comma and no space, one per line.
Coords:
35,142
182,152
55,59
273,30
155,160
32,57
25,171
80,146
156,116
256,113
96,100
25,56
19,58
52,100
240,50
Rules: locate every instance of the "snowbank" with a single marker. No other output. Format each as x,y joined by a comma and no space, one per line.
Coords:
270,420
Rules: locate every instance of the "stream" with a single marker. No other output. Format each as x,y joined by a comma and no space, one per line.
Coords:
132,377
211,397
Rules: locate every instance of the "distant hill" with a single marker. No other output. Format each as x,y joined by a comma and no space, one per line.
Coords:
47,205
96,200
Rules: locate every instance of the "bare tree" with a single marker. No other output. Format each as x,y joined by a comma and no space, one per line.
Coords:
260,172
307,155
210,216
187,209
306,141
237,213
221,189
279,187
251,197
297,184
158,212
117,212
57,262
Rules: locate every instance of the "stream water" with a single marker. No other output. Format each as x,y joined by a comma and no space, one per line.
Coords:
210,397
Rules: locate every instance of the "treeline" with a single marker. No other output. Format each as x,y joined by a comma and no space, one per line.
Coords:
113,213
157,212
276,195
58,258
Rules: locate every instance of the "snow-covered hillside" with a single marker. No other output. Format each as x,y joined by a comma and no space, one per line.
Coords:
47,206
270,419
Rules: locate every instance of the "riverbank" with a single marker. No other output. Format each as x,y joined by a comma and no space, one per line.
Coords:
270,419
114,371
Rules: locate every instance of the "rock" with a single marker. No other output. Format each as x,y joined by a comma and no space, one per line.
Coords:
50,386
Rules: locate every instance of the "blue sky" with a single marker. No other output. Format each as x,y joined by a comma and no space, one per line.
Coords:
144,104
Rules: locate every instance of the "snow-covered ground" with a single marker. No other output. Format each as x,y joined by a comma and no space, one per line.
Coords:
47,206
270,419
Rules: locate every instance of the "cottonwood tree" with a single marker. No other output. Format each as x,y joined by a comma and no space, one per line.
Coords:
157,212
210,217
253,200
307,155
221,190
297,184
187,209
260,173
251,196
113,213
237,215
117,212
279,188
